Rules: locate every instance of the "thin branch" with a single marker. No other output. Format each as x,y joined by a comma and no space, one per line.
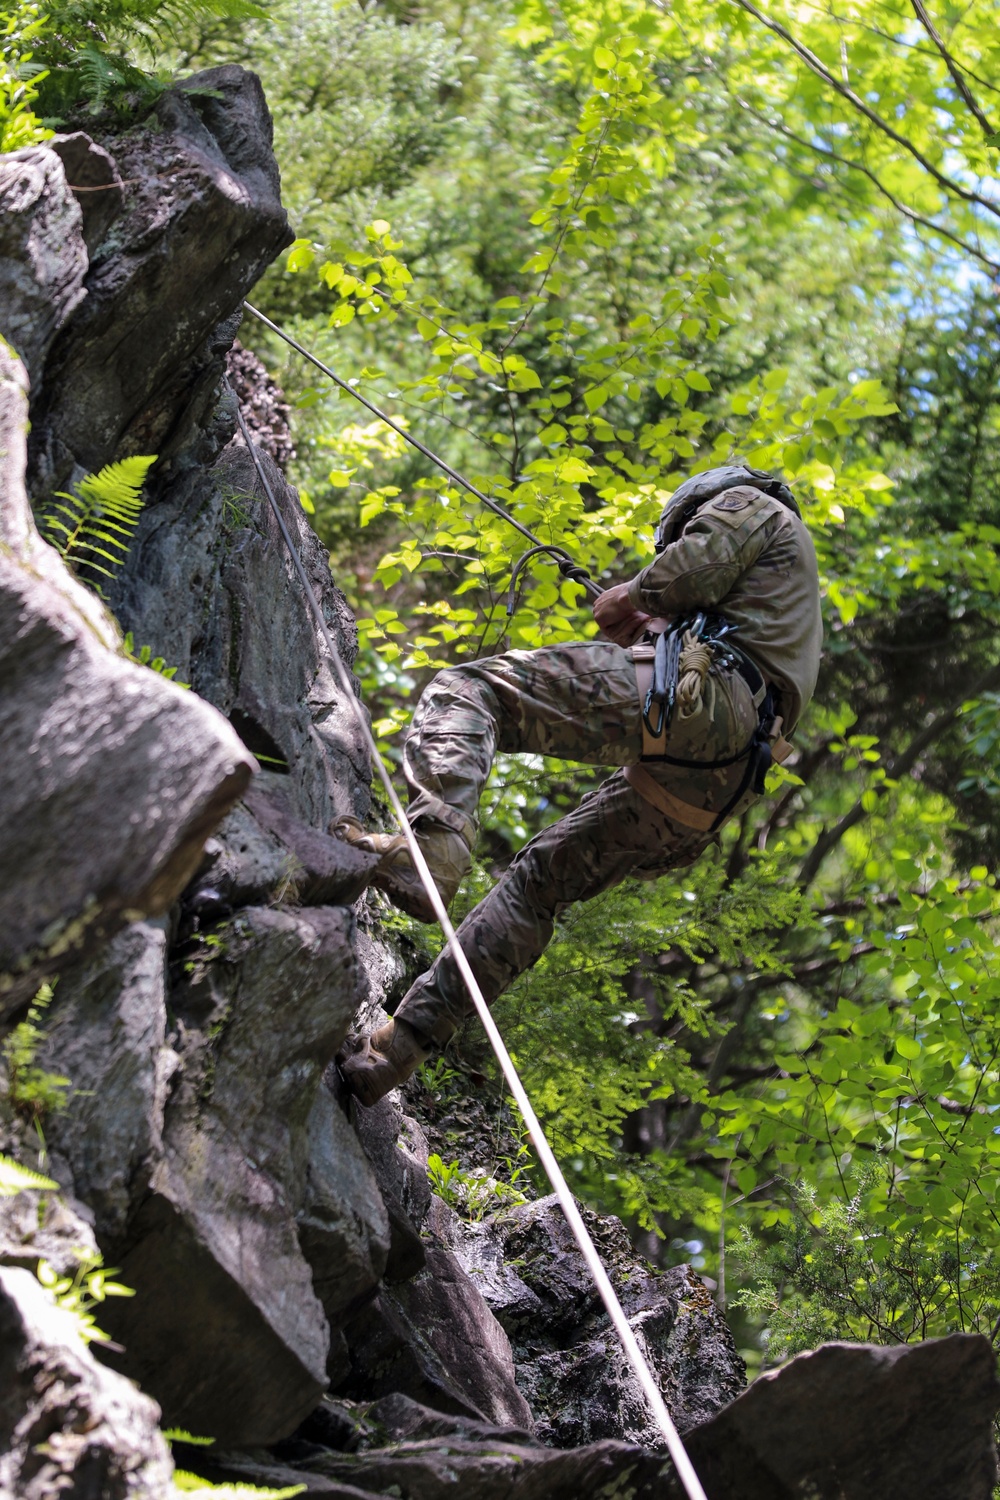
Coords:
953,68
825,153
817,66
903,763
899,41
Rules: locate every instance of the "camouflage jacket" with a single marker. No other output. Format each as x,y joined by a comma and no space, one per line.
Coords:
746,556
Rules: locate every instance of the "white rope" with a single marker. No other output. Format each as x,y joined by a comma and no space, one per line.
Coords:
567,1202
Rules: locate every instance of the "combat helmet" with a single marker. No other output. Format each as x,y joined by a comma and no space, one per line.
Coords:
700,488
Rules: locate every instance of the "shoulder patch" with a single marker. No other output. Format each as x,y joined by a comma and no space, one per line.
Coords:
734,500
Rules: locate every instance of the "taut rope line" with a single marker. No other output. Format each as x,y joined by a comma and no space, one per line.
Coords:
553,1171
567,567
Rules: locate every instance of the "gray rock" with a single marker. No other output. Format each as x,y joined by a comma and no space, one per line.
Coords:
137,366
399,1418
855,1421
107,1034
219,1171
343,1224
245,638
325,869
67,1425
394,1145
226,1330
266,412
111,778
263,852
47,1226
569,1363
434,1338
93,179
475,1470
43,259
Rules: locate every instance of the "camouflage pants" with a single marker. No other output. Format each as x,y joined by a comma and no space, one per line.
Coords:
579,702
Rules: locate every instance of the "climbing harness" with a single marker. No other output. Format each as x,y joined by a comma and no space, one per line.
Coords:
644,1375
671,671
567,567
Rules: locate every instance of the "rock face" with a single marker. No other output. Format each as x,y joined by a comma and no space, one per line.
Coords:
569,1363
136,369
67,1425
221,1175
850,1421
43,258
847,1422
266,412
90,742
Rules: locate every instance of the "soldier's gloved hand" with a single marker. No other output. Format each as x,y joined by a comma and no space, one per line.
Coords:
618,617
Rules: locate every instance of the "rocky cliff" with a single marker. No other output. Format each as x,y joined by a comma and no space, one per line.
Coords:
301,1295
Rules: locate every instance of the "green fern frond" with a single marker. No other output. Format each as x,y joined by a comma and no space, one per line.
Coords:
144,658
17,1179
93,528
191,1484
185,12
100,74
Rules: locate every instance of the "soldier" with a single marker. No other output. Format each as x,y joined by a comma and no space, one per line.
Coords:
728,613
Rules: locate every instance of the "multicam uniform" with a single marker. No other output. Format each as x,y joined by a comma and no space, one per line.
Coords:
744,555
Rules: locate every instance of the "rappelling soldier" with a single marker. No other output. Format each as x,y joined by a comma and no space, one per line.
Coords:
709,656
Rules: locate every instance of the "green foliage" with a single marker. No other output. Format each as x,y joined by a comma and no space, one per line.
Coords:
829,1273
32,1092
90,1283
473,1194
20,78
16,1179
192,1484
911,1083
93,528
144,658
88,1286
82,54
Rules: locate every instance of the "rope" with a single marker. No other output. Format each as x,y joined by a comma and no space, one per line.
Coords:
567,566
567,1202
693,667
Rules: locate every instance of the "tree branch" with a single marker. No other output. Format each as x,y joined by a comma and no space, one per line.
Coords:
952,66
903,763
825,153
817,66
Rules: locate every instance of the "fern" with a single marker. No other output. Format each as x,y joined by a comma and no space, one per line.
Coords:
17,1179
93,529
31,1091
144,658
87,51
191,1484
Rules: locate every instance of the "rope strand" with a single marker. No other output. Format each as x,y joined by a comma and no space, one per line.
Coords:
643,1373
567,566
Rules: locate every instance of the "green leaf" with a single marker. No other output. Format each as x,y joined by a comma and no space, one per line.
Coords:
17,1179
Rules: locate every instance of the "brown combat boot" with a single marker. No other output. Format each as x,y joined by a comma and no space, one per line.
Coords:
445,851
372,1065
